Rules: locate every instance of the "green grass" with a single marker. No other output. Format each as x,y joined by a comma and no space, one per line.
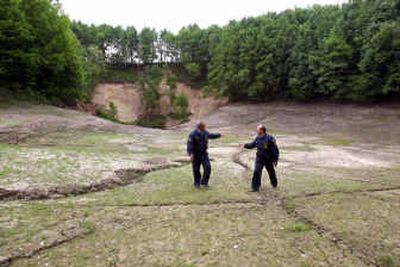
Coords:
337,141
4,171
10,123
197,235
298,227
310,182
186,265
88,226
75,157
387,261
289,204
25,224
367,221
175,186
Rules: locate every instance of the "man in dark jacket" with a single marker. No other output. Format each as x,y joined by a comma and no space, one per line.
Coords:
197,146
267,156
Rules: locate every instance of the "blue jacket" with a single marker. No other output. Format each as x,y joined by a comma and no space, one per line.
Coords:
197,143
267,148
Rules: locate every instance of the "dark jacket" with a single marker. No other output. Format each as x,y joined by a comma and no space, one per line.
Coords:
267,149
197,143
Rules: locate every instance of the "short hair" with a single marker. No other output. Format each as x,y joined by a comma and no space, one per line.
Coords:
199,124
263,128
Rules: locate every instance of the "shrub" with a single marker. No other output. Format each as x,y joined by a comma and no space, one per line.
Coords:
193,70
153,121
108,114
179,106
172,80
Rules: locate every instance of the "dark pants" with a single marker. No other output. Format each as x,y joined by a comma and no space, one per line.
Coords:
205,161
260,163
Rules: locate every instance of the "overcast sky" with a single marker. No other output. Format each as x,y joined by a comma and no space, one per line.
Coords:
173,14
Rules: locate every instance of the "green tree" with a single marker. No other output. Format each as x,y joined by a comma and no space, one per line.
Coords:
147,50
39,51
380,65
334,69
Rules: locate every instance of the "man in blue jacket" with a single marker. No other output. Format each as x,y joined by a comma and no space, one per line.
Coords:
267,156
197,146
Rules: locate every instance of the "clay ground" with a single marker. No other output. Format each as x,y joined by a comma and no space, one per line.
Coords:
77,190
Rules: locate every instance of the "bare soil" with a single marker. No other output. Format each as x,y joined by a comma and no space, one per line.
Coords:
130,107
126,96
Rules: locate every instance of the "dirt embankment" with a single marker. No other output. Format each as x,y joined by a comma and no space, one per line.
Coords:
126,96
198,105
131,107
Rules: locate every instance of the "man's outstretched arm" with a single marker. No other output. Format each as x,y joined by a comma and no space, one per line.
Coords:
250,145
214,135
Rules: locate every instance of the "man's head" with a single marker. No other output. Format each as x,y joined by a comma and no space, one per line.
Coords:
261,129
201,126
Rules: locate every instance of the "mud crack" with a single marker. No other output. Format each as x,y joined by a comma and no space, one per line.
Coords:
119,178
63,235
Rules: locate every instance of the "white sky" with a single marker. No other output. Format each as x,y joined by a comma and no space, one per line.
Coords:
174,14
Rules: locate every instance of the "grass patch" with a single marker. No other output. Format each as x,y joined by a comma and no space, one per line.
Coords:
176,186
10,123
4,171
300,183
336,141
88,226
363,219
298,227
6,147
186,265
387,261
289,204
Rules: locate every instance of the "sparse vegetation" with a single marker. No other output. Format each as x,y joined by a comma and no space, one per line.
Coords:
334,141
69,175
172,81
180,106
120,75
149,83
387,261
110,113
298,227
153,121
186,265
289,204
137,224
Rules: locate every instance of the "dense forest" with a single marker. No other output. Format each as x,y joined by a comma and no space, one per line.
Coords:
349,52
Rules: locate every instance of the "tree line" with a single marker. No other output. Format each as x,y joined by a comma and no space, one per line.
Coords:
39,53
349,52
